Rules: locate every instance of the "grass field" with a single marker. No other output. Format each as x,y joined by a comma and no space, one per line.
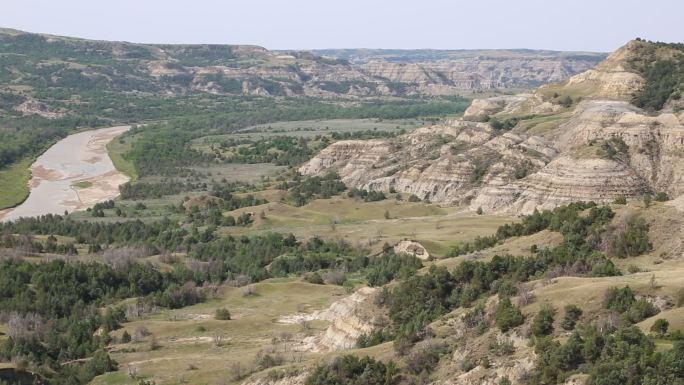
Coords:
188,351
82,184
14,181
116,148
542,125
364,223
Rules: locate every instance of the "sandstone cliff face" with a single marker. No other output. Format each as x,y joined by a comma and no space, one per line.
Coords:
563,180
476,74
349,318
605,148
445,163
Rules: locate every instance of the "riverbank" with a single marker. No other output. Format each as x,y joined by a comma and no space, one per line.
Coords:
73,174
15,187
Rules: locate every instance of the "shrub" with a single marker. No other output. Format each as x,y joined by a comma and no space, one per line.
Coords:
467,364
662,79
660,326
222,314
508,315
623,301
478,173
423,360
314,278
572,314
265,360
619,300
388,266
351,370
335,277
620,200
154,344
375,337
542,325
661,197
566,101
640,310
633,240
647,200
501,348
125,337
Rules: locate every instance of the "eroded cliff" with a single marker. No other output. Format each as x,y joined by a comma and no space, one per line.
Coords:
580,140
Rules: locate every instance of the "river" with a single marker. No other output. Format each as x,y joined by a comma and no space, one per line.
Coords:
73,174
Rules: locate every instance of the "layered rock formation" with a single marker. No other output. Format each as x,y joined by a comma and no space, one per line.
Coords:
597,147
349,318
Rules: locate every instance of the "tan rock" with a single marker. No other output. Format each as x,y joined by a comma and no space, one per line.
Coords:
412,248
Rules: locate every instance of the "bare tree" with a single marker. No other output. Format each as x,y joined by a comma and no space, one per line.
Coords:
29,324
525,295
608,323
154,344
297,356
140,333
236,371
132,371
248,290
218,337
335,277
305,325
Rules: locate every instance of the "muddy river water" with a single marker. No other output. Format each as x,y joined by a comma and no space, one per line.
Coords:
73,174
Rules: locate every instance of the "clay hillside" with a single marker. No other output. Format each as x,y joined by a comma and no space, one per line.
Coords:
612,131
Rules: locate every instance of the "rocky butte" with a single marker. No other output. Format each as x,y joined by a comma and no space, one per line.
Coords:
580,140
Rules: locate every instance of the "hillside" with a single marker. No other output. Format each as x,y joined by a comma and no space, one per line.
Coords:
33,61
584,139
453,71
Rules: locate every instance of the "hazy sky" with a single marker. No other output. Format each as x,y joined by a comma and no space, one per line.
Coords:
590,25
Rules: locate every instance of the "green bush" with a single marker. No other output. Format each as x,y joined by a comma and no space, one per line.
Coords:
660,326
620,200
351,370
623,301
125,337
572,314
663,78
542,325
633,240
222,314
508,315
661,197
314,278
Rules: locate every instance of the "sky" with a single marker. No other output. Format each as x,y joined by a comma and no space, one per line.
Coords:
577,25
